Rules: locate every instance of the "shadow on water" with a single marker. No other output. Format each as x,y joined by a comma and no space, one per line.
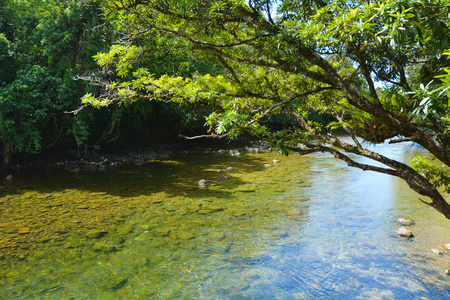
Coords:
178,175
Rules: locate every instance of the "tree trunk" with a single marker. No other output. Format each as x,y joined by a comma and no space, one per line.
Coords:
7,154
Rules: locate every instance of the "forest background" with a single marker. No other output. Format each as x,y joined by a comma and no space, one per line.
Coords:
46,47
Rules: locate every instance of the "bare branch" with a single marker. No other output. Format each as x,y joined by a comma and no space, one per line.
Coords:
401,140
215,136
364,167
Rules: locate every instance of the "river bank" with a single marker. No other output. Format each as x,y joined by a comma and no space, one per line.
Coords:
75,160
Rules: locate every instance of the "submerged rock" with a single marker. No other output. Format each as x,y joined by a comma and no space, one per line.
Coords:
406,221
202,183
294,212
210,209
159,232
404,232
185,235
24,230
115,282
437,251
105,247
96,234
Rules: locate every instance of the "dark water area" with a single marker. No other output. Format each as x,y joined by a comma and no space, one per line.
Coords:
215,224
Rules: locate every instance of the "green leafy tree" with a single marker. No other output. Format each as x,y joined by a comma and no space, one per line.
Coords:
45,45
295,58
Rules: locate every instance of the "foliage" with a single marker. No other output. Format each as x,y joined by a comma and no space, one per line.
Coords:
27,105
436,175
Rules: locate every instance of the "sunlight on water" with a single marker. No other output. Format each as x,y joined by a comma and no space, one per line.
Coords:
301,228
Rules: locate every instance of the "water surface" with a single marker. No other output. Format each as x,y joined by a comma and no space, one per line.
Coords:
305,227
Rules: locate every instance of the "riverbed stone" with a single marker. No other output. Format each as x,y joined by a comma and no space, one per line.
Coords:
105,247
240,213
210,209
24,230
115,282
161,231
185,235
406,221
10,230
437,251
43,240
95,234
202,183
217,235
294,212
404,232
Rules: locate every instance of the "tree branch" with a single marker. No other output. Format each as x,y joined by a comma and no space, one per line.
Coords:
215,136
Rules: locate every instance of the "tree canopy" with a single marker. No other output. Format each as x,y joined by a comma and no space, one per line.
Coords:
378,68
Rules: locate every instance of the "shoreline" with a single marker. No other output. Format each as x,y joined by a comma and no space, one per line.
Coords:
73,160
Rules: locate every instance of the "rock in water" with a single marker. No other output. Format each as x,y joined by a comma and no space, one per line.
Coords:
96,234
406,221
437,251
402,231
24,230
202,183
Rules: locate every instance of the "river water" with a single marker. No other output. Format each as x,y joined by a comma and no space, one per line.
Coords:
299,227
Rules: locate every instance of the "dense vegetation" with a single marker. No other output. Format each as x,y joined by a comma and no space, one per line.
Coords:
46,48
378,70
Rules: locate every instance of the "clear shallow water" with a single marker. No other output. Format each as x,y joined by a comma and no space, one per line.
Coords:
305,227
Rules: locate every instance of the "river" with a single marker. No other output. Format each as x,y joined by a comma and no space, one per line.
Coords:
266,226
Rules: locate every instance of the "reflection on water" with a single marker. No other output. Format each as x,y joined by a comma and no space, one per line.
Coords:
303,227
